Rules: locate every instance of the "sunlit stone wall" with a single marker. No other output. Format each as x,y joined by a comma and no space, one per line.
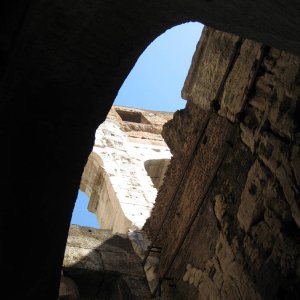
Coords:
121,190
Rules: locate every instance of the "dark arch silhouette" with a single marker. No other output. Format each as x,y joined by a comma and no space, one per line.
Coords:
61,66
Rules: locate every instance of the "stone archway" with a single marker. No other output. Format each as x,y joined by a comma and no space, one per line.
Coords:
62,64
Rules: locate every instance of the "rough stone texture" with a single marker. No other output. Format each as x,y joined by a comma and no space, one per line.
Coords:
205,165
61,66
295,160
233,100
231,230
179,134
128,159
103,265
68,289
256,191
275,154
156,169
209,66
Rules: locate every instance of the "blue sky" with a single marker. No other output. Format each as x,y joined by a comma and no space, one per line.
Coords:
154,83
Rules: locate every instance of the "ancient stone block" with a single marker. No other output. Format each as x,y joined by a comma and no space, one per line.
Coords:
263,235
220,207
251,127
99,261
235,90
126,167
295,162
242,237
68,289
275,155
252,200
208,67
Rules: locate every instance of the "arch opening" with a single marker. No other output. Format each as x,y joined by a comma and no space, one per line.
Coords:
209,199
81,215
154,83
42,41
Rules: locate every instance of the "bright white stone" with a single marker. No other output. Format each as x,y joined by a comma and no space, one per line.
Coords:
124,197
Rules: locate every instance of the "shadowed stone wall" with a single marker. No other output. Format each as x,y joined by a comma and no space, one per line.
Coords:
101,265
231,228
61,66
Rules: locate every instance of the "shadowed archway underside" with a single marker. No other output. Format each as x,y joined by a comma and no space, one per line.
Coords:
61,66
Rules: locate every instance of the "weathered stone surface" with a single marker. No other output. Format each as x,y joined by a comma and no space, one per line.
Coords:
252,199
285,90
274,103
103,264
156,169
233,100
234,274
209,156
295,162
247,208
220,207
62,64
126,168
244,240
181,137
68,289
275,154
251,127
208,67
